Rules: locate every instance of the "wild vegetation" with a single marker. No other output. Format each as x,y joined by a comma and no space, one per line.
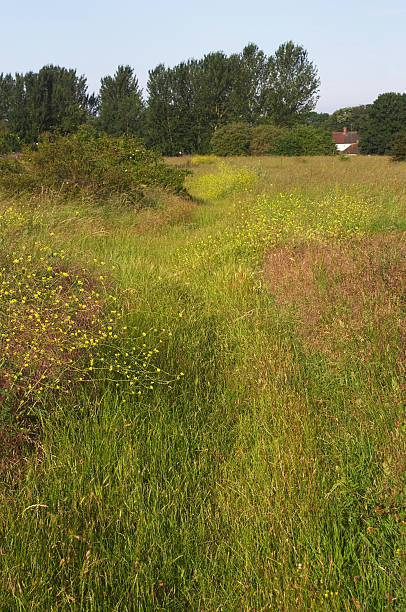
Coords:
204,400
187,107
242,139
90,164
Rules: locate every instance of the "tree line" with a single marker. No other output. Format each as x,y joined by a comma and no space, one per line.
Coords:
184,105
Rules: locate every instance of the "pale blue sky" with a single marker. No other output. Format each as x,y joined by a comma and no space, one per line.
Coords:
359,46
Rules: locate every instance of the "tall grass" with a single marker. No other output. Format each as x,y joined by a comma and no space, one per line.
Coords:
271,476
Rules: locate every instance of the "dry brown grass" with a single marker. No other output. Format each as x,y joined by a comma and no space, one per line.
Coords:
344,292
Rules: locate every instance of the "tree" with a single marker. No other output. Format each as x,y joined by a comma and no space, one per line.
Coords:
121,105
318,120
7,84
397,147
351,117
55,98
250,73
386,117
214,87
187,104
93,105
159,114
293,85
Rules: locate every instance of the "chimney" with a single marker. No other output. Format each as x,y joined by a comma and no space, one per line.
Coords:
345,130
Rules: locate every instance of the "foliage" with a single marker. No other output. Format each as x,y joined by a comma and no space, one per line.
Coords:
317,120
55,98
250,84
120,104
352,117
386,117
9,143
231,139
172,124
397,147
263,138
188,103
293,85
305,140
87,163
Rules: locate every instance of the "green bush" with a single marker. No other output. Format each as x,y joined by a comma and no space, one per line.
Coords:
397,147
263,138
231,139
91,164
305,140
9,143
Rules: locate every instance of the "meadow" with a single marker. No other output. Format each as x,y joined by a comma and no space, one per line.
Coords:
203,401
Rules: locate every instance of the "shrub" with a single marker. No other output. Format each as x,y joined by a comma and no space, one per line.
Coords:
231,139
397,147
91,164
263,138
305,140
9,143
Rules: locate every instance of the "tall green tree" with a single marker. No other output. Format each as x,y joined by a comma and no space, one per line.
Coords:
293,85
7,85
160,125
54,98
121,105
250,84
386,118
188,103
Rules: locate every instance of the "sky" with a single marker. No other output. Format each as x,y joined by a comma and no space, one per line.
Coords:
358,46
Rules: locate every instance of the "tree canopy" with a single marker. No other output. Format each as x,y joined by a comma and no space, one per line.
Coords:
293,85
121,105
189,102
386,118
54,98
186,104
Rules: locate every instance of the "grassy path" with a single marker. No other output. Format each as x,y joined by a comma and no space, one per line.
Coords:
271,476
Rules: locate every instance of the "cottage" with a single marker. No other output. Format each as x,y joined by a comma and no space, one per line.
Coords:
346,142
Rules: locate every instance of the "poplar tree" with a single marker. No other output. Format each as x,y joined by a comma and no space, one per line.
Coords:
54,98
121,106
293,85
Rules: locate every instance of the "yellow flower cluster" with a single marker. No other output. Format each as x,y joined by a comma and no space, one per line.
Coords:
225,181
61,327
198,160
265,221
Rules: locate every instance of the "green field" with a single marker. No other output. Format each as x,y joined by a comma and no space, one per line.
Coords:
257,460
